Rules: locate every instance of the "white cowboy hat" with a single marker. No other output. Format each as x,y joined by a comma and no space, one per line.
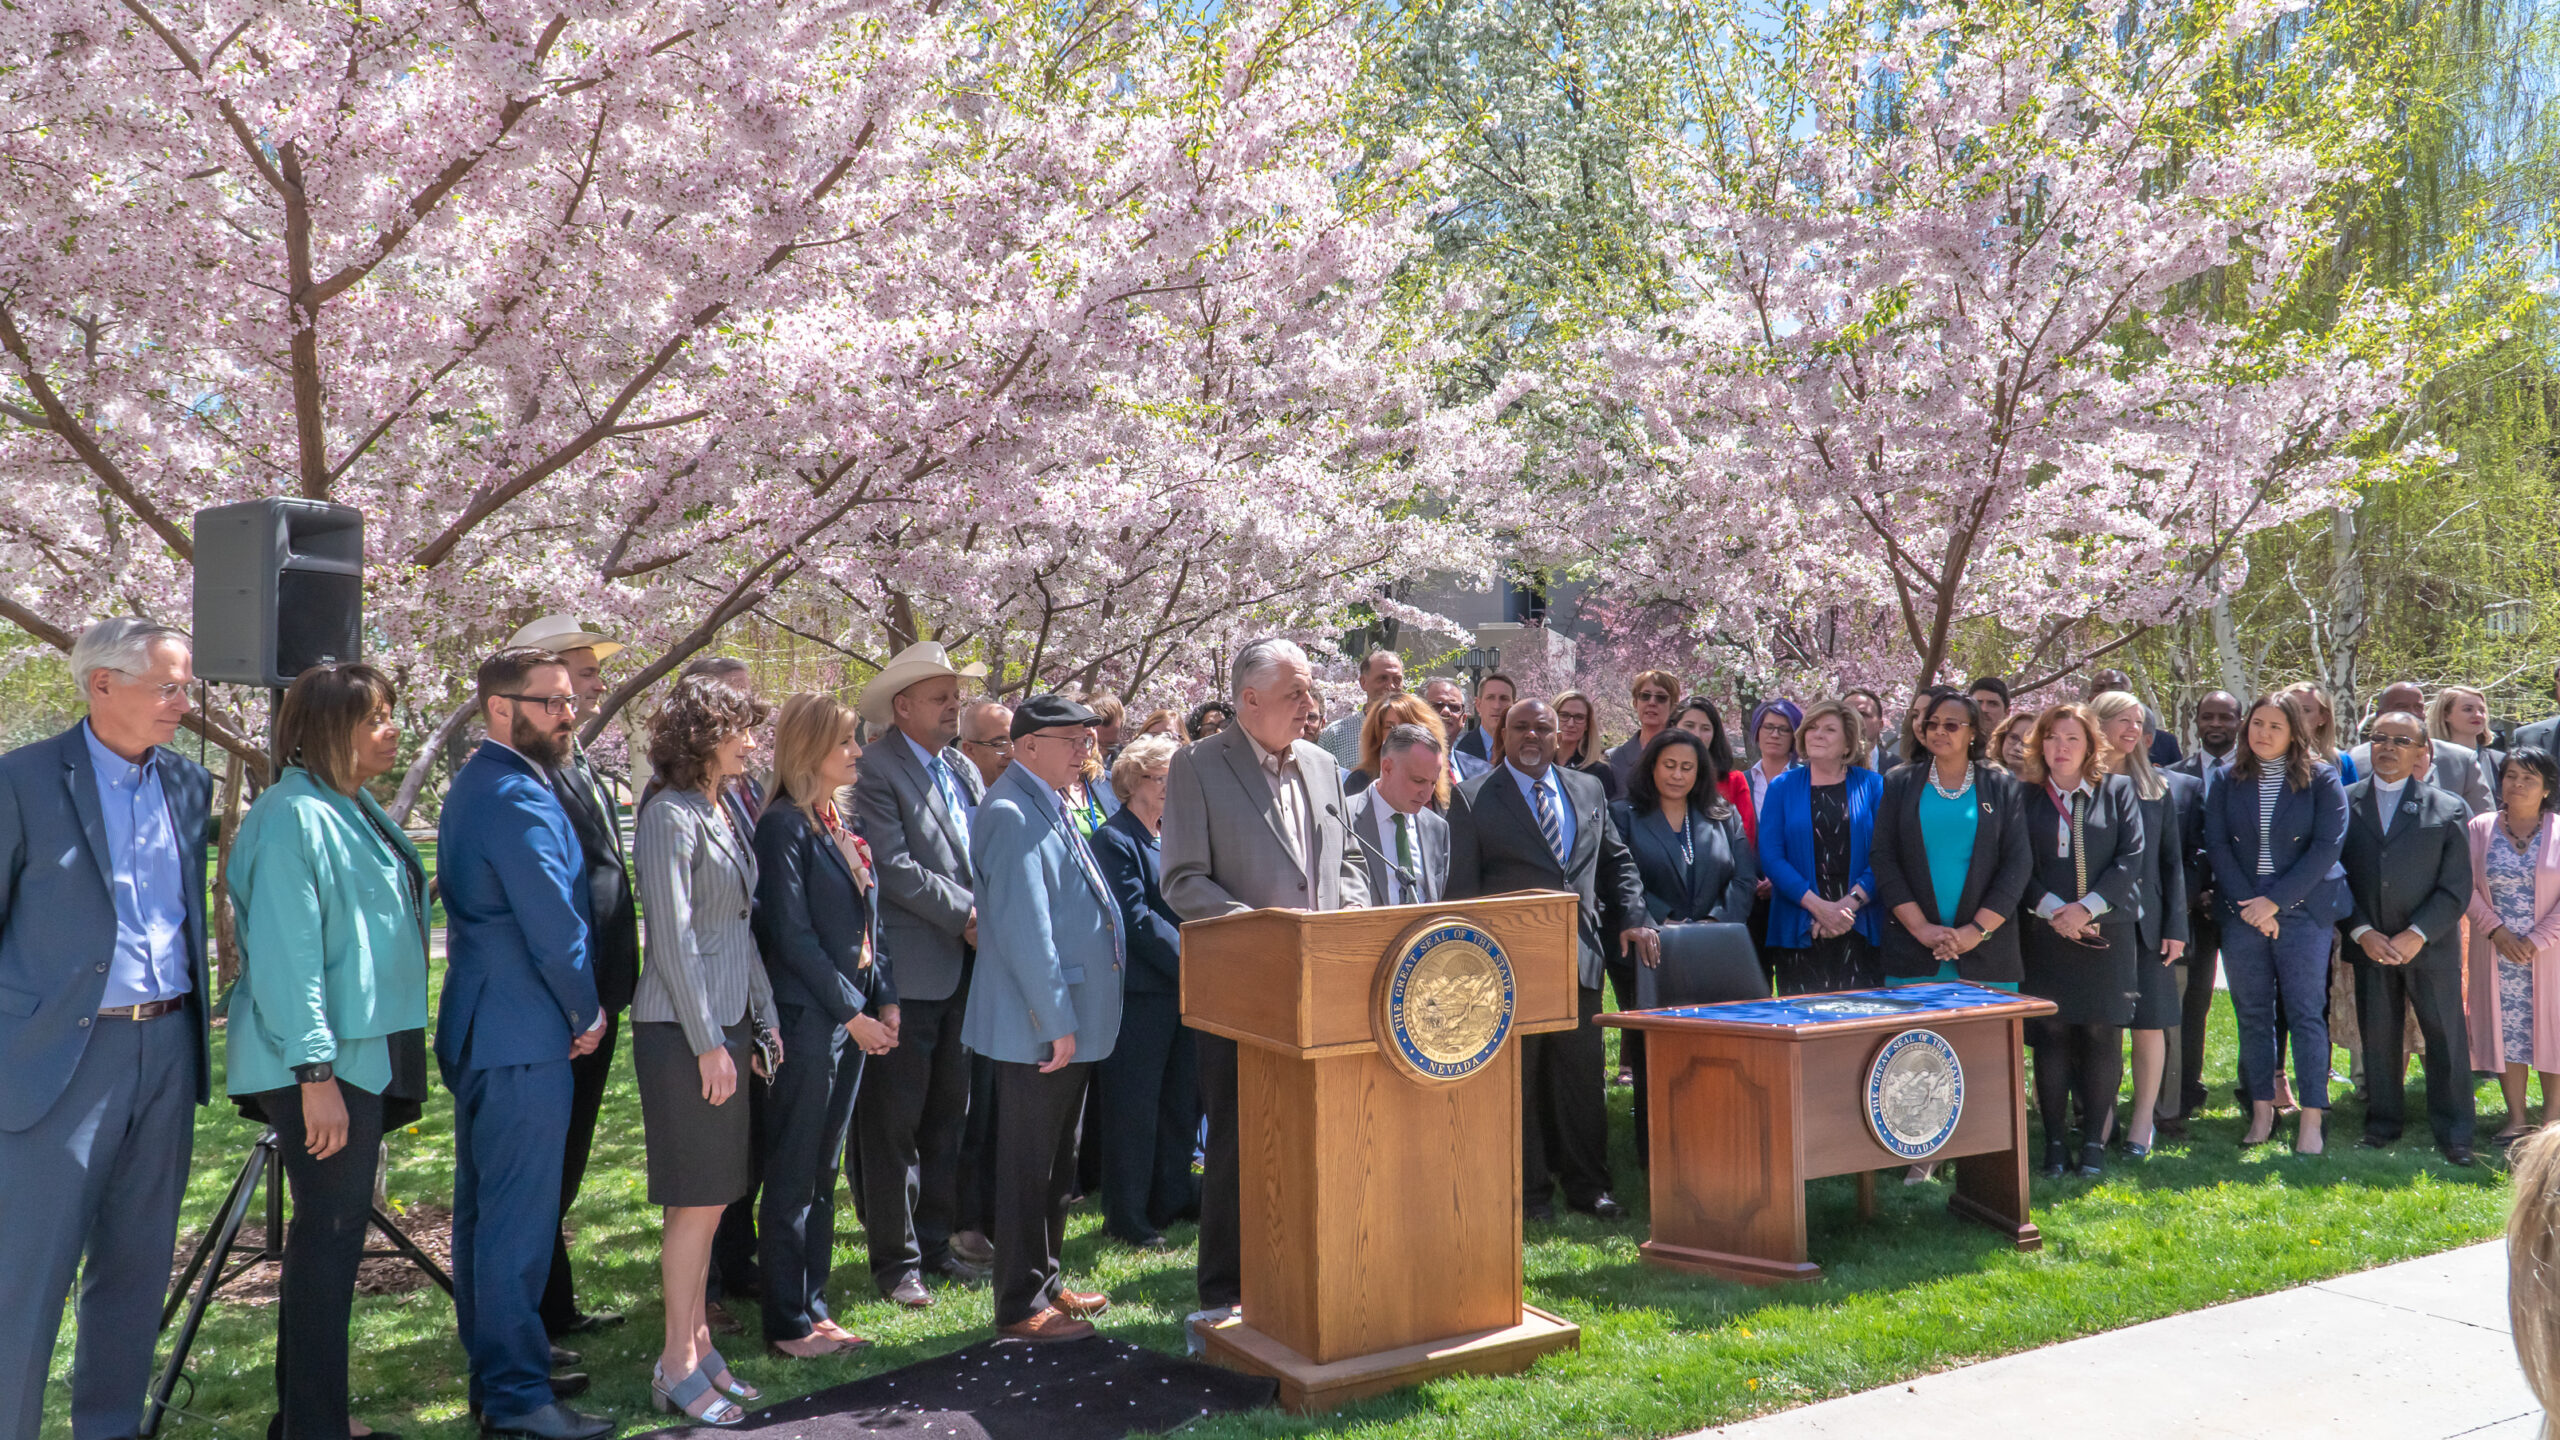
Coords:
565,632
924,660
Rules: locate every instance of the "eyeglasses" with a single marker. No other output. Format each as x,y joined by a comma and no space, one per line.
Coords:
2397,742
547,704
1001,747
1078,740
1653,697
1943,727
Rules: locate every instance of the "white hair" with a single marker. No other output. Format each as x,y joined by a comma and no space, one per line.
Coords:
1137,758
1260,659
122,644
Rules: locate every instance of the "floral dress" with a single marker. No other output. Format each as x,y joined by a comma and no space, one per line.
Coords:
2511,895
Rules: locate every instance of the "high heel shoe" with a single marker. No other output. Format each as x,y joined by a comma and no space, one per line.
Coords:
2057,1160
736,1389
694,1389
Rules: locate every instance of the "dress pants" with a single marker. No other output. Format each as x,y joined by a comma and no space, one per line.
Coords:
589,1076
510,1124
332,1205
1564,1112
2432,985
805,1118
907,1120
2196,1010
1221,1178
976,1183
1036,1119
100,1174
2291,971
1150,1088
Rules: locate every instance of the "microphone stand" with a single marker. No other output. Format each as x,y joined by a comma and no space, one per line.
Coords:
1410,881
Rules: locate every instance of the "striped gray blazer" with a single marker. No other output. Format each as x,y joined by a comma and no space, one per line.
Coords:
697,883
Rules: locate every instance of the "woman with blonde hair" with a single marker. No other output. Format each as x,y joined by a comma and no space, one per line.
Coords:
1578,742
819,932
1401,708
1816,820
2160,929
2460,714
2533,1271
2079,917
2322,715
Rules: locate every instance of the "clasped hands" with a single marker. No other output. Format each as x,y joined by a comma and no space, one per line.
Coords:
2259,914
1946,942
1830,917
2397,949
874,1036
2512,947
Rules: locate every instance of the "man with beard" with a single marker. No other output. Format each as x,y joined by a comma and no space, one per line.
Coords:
519,1004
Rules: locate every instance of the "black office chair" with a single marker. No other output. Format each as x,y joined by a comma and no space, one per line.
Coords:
1702,964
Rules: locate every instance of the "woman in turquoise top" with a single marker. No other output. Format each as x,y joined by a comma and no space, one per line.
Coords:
327,1032
1950,857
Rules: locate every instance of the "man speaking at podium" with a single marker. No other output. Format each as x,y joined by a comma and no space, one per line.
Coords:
1252,821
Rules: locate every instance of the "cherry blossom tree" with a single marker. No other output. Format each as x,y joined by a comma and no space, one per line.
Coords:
661,311
1993,331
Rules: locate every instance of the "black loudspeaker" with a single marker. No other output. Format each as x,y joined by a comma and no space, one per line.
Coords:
279,589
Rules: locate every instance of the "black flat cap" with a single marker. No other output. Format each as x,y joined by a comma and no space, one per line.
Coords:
1044,712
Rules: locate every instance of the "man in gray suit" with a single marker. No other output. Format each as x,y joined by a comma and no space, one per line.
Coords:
102,1026
2454,767
2541,734
913,803
1252,820
1395,817
1381,675
1044,1006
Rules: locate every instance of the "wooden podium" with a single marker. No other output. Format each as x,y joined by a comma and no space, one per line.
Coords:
1381,1210
1752,1098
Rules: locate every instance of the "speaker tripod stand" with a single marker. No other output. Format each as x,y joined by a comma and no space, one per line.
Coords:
218,1261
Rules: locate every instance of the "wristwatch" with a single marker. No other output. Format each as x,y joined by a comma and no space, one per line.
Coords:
314,1074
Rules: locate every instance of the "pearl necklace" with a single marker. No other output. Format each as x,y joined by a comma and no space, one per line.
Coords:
1956,794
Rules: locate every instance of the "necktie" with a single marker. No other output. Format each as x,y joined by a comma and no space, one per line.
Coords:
950,789
1404,847
2079,846
1548,824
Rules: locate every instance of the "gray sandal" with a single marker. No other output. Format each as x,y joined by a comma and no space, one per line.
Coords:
682,1396
714,1366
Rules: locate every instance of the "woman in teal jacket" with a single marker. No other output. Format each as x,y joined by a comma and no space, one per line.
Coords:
327,1032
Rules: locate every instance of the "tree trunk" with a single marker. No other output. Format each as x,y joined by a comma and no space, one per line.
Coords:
414,783
2226,647
2347,618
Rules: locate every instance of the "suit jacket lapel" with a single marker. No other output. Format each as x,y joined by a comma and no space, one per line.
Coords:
1986,842
81,774
1505,785
1257,788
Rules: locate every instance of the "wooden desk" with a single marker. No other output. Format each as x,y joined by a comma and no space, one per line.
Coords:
1751,1099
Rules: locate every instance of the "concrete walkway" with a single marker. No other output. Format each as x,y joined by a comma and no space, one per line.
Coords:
2415,1351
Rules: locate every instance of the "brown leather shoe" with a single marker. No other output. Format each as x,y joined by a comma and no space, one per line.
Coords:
909,1291
1049,1324
1083,1304
717,1316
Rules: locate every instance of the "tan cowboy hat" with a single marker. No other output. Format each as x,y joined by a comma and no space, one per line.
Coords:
565,632
924,660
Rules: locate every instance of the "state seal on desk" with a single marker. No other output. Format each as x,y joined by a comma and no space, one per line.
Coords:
1915,1094
1445,1000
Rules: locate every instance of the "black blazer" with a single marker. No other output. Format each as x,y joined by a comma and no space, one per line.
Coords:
1718,887
2419,874
1993,881
810,920
613,920
1132,864
2117,851
1495,848
2162,876
2186,794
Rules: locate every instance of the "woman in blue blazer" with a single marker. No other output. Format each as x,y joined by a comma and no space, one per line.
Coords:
2274,823
327,1036
1815,822
835,1003
1150,1106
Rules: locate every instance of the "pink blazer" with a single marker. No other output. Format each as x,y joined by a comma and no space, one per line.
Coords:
2481,997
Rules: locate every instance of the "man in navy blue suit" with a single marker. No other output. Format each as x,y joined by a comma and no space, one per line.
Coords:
102,1026
519,1003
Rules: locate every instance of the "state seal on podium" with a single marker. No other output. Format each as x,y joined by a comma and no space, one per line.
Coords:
1915,1094
1445,1001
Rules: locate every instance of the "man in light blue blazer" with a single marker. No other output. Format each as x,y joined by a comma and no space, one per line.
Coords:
1044,1005
102,1026
519,1002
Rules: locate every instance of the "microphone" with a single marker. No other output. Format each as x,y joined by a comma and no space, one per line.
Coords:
1410,880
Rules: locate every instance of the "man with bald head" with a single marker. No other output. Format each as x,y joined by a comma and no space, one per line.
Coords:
2449,766
1531,824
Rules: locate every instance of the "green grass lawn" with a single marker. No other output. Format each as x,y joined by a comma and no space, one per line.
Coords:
1662,1352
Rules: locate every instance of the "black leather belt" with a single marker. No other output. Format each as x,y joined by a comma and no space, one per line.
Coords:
147,1010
